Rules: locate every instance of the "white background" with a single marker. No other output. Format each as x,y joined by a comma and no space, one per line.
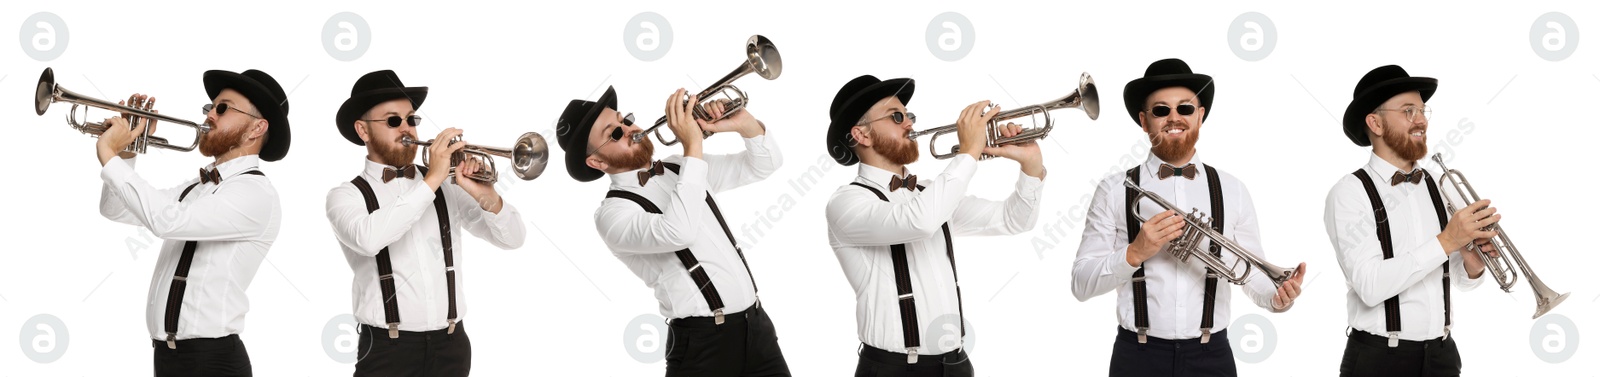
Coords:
561,303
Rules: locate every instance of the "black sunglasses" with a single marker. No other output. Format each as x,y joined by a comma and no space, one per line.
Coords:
898,118
394,120
616,133
222,108
1161,111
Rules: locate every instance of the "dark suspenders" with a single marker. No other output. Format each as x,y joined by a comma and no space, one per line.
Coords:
1141,307
685,256
180,278
391,304
902,286
1391,306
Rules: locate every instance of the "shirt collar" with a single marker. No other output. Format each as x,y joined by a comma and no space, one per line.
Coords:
1383,168
879,176
1152,164
630,179
236,165
374,170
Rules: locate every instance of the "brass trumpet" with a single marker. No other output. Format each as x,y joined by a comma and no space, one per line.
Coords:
1504,273
761,58
528,157
48,92
1085,98
1197,228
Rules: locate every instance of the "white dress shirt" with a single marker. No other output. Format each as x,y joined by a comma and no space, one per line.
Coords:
234,222
408,225
1175,291
862,227
1413,273
646,242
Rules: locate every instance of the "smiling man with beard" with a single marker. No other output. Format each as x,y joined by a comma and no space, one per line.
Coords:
661,221
1398,247
217,228
892,233
396,223
1172,315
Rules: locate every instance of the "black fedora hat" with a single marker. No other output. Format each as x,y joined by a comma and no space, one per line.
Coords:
853,100
572,133
1377,86
1166,73
370,90
268,98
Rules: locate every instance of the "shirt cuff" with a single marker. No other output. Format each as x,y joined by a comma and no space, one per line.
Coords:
1029,188
117,170
1429,254
421,194
1119,264
962,166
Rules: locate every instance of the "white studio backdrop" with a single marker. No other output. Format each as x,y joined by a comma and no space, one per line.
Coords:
1516,93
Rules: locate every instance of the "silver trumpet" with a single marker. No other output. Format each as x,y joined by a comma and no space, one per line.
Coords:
1086,98
1504,273
47,92
528,157
1197,228
761,58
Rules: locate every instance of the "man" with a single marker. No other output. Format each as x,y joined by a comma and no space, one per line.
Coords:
658,220
1399,252
1172,315
887,217
217,228
397,224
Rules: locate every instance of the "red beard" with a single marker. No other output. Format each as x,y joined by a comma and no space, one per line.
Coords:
638,159
1173,151
393,153
1402,145
220,140
900,152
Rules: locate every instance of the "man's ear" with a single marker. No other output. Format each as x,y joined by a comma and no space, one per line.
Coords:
361,131
595,162
1374,125
260,129
863,138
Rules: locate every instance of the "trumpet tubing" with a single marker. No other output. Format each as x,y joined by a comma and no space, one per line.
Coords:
528,156
47,92
1086,97
1505,271
761,58
1197,229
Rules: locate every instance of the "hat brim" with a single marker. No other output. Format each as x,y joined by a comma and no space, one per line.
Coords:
1355,115
1135,93
577,167
360,103
839,129
278,136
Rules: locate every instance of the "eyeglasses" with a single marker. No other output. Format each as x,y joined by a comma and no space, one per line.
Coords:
1162,111
222,108
394,120
899,118
616,133
1412,112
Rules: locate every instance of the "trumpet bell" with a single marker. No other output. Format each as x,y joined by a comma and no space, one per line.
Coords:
45,93
763,57
529,156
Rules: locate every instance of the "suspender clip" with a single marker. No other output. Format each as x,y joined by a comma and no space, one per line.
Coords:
394,330
718,314
1394,339
1142,338
1205,335
1138,279
911,355
452,328
1446,333
172,340
180,278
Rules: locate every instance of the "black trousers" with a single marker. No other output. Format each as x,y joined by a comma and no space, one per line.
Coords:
1370,355
223,356
1162,357
745,344
875,362
426,353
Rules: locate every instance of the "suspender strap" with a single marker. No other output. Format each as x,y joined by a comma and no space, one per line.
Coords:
442,208
1391,306
902,284
391,304
1438,210
180,277
685,256
1214,183
1141,308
